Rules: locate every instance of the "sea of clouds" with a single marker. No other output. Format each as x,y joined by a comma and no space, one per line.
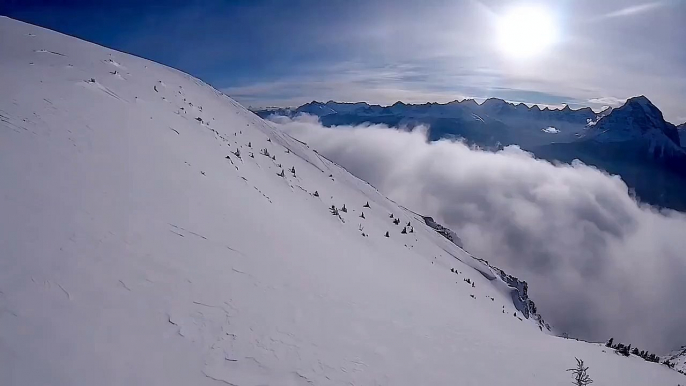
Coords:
598,263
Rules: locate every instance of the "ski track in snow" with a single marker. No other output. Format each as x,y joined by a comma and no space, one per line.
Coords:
162,265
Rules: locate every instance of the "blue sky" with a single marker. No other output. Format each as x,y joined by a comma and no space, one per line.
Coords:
278,53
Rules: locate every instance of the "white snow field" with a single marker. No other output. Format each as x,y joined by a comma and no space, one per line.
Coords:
133,252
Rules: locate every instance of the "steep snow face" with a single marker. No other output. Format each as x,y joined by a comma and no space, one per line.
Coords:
638,120
155,232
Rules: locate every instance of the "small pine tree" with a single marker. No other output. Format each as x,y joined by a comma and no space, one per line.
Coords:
273,158
391,216
344,209
396,221
237,153
387,235
252,155
249,144
609,342
362,215
316,193
635,352
366,205
269,139
404,231
281,174
411,229
581,377
408,223
333,210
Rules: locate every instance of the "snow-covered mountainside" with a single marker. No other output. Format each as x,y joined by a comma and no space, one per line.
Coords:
638,121
635,142
155,232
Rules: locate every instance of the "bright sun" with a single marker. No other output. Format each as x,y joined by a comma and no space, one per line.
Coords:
526,31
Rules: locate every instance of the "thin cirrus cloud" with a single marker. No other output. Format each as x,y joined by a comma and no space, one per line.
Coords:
636,9
599,264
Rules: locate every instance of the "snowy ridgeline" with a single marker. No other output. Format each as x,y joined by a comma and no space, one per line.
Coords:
155,232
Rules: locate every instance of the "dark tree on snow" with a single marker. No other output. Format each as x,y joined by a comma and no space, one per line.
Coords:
387,235
581,377
362,215
609,342
344,209
391,216
333,210
366,205
281,174
404,231
316,193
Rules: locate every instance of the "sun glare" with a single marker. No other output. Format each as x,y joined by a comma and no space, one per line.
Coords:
526,32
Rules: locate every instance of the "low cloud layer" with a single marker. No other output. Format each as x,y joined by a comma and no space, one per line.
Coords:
599,265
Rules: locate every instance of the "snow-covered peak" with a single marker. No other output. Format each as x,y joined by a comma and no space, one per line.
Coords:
638,121
315,108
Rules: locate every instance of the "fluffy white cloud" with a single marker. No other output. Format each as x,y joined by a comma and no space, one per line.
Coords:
599,264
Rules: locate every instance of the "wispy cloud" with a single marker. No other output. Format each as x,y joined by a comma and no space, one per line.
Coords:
607,101
636,9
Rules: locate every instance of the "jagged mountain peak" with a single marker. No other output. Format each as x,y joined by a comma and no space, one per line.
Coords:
638,121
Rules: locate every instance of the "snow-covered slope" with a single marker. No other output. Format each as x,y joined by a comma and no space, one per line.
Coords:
145,240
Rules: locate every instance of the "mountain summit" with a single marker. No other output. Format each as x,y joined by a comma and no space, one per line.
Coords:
638,120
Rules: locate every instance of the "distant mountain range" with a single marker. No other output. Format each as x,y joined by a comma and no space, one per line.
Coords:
633,141
492,123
